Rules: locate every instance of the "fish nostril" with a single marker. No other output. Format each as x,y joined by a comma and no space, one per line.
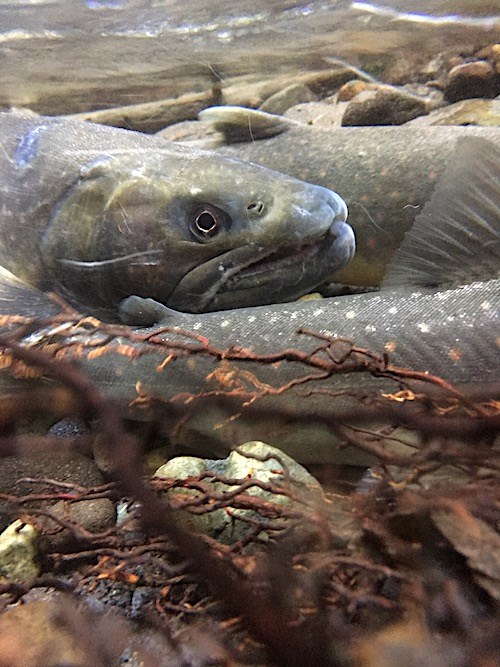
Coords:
256,207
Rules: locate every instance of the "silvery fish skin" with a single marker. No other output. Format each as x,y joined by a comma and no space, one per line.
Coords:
386,175
450,332
439,312
98,214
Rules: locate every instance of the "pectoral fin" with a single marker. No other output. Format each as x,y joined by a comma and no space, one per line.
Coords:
456,238
17,299
239,124
140,312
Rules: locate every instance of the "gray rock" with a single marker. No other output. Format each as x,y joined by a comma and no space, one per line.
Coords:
467,112
152,116
18,553
288,97
319,114
69,427
239,124
277,467
194,133
251,92
253,459
182,467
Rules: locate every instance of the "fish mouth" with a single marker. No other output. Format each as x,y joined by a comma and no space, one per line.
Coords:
289,271
267,267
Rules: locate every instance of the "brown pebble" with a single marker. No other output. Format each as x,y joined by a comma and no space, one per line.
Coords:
454,61
495,57
384,105
93,516
474,79
489,52
353,88
51,633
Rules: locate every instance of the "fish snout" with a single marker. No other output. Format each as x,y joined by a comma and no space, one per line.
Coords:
340,234
335,202
315,210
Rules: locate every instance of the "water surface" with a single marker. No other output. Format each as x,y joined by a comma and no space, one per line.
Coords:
60,56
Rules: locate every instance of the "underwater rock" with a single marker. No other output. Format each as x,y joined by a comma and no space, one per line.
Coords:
92,515
485,113
62,467
352,88
284,99
150,117
241,125
478,542
254,460
474,79
57,632
193,133
324,114
18,555
384,105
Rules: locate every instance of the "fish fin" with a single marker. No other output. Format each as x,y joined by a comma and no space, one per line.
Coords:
456,237
19,299
139,312
239,124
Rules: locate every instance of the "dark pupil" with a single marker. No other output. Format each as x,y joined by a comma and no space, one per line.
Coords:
206,222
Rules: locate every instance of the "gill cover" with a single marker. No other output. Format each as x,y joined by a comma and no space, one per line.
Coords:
105,236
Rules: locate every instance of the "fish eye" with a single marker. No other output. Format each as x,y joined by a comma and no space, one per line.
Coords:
207,221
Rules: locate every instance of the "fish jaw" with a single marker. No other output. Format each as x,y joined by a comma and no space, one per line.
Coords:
318,241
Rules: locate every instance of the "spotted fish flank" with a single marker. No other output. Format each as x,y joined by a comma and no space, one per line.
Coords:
444,320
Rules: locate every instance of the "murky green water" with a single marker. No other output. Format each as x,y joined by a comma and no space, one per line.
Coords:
74,55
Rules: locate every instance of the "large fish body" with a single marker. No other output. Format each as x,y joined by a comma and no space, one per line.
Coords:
439,312
98,214
386,175
451,332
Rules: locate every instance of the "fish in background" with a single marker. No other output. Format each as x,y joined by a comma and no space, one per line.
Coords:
386,175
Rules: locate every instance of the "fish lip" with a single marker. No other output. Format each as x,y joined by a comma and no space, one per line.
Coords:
339,236
288,255
263,266
344,238
336,203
